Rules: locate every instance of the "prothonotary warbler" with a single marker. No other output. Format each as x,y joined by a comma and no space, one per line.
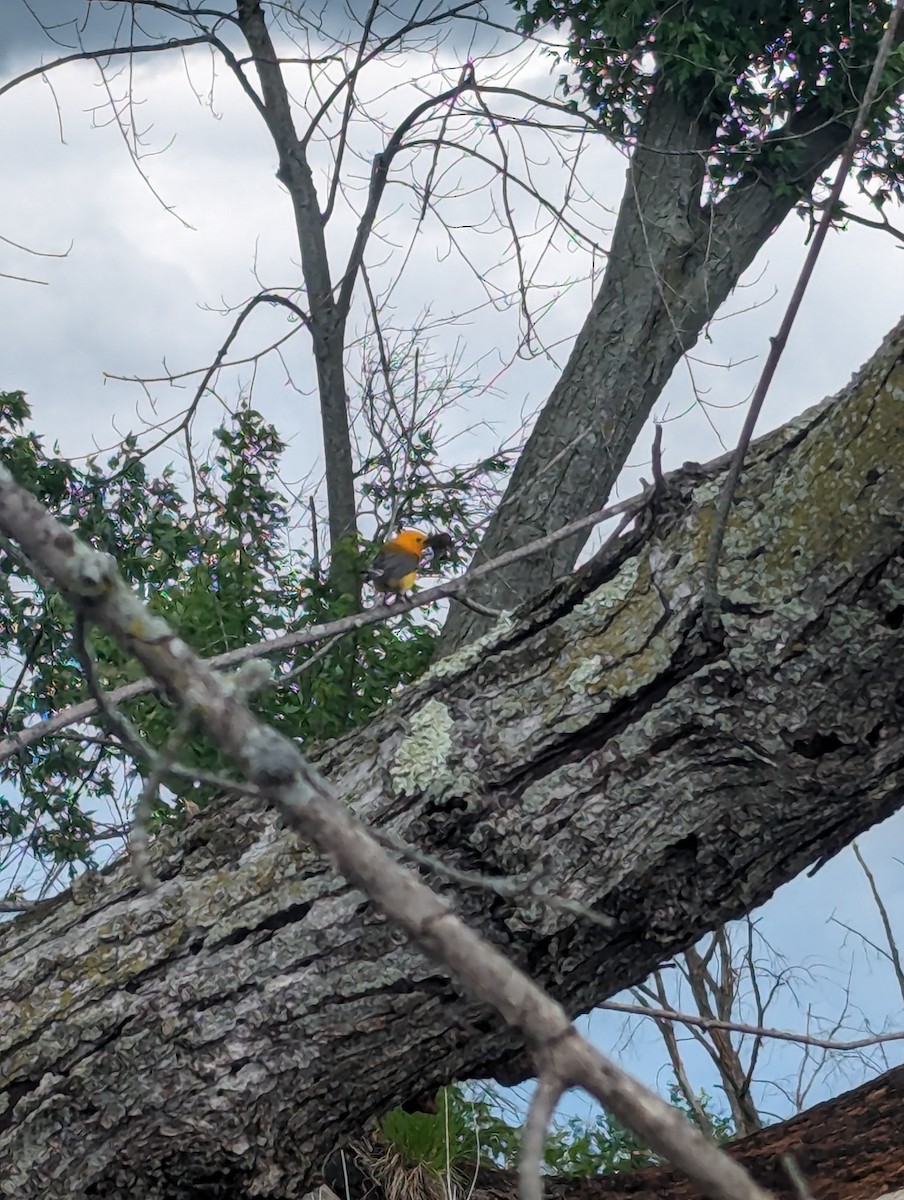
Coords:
394,569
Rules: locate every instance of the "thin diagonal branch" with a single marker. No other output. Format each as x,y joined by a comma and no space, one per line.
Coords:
891,941
776,349
783,1035
109,52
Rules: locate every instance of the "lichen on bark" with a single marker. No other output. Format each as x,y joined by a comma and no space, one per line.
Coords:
221,1029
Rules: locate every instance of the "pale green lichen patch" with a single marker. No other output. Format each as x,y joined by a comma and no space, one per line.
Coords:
774,545
469,655
422,757
618,652
613,592
631,673
708,493
586,673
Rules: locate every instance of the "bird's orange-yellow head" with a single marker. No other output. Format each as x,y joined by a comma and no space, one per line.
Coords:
412,541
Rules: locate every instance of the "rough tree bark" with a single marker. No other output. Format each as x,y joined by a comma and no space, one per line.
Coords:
218,1034
672,263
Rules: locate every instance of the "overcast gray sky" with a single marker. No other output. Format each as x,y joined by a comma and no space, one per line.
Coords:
150,260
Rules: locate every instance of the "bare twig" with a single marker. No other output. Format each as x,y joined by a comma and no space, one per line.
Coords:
539,1116
108,52
794,1173
186,417
25,667
510,886
293,673
710,581
315,539
846,214
36,253
118,725
379,178
658,480
24,279
122,729
350,82
475,606
668,1033
783,1035
893,952
18,555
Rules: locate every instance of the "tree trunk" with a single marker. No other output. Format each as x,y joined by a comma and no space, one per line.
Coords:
219,1034
327,322
734,1079
671,265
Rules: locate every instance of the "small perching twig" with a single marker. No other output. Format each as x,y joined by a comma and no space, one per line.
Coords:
761,1031
542,1105
23,738
294,672
308,804
776,349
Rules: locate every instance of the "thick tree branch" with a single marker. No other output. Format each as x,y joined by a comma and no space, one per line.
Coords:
271,762
215,1028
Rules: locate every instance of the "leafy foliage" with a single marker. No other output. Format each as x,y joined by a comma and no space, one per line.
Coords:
434,1140
469,1126
213,552
755,73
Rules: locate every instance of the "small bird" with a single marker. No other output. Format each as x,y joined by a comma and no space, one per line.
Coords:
394,569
